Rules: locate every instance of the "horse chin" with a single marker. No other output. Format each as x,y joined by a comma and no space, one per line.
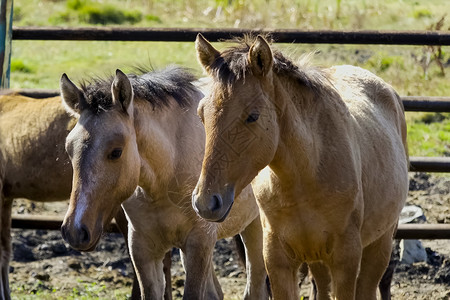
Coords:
226,214
227,201
92,246
97,233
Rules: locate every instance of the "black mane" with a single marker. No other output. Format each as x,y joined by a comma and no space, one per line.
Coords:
156,87
232,65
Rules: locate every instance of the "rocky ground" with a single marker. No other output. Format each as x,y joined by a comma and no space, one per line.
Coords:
44,267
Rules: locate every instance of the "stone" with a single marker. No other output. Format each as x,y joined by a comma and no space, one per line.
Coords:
412,251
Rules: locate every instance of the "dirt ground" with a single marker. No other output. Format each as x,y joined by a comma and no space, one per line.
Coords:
44,267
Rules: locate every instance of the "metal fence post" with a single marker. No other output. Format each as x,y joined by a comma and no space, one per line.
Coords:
6,14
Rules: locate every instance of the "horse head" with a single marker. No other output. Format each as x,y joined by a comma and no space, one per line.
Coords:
240,119
104,154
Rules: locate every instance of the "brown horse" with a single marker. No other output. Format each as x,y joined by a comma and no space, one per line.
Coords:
140,135
325,150
33,162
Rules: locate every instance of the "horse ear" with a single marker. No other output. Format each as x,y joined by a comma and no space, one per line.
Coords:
72,97
206,53
122,91
260,57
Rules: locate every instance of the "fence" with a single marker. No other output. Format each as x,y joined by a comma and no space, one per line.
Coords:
214,35
411,103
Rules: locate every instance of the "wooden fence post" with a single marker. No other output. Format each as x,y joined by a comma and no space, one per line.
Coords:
6,13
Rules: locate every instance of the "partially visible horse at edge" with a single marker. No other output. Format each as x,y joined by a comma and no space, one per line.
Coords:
326,153
33,163
141,135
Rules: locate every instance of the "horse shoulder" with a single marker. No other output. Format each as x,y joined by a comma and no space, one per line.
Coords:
267,189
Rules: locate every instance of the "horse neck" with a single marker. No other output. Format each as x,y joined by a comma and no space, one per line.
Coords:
297,123
170,142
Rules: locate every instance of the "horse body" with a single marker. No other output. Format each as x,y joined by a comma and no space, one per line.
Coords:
151,147
344,167
33,162
330,149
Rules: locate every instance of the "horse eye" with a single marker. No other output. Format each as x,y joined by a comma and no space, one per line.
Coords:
115,154
253,117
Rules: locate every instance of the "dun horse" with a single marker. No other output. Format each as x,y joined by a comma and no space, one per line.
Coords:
140,135
325,150
33,162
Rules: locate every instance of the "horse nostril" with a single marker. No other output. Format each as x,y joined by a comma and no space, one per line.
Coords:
85,237
215,203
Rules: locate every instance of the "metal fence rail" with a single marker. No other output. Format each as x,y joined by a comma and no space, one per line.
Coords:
426,104
214,35
411,103
405,231
429,164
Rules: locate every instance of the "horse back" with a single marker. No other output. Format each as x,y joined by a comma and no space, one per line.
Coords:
373,103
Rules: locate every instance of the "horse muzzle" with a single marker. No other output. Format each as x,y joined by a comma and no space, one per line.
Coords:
213,207
79,236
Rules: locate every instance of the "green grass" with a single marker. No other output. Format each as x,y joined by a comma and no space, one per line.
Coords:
49,60
83,291
86,59
90,12
302,14
429,135
17,65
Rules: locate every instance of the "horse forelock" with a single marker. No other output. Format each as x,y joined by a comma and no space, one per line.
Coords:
156,87
232,64
97,94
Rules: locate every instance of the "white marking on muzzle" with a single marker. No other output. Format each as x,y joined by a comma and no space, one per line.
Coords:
81,208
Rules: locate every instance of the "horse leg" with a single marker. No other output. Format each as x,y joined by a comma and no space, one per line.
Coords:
252,237
282,270
386,280
5,251
2,278
148,267
210,289
344,265
122,224
374,261
201,282
303,274
167,264
321,277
